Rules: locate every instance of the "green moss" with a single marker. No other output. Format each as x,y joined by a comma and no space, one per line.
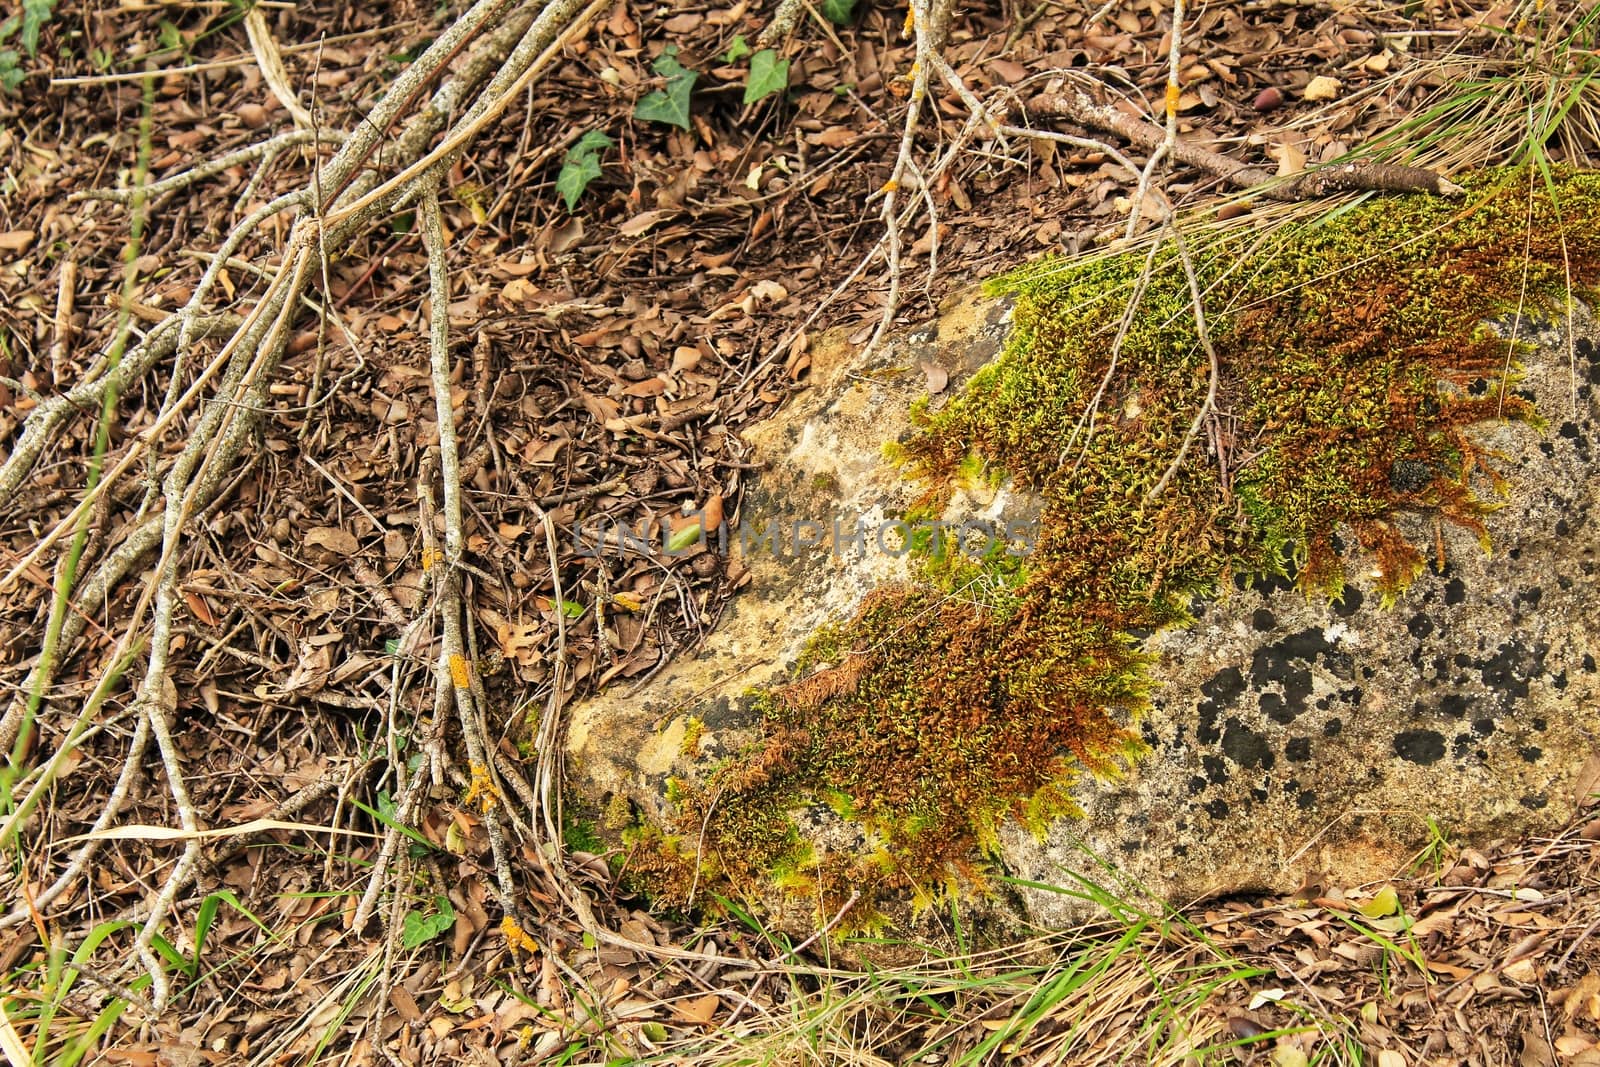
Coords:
1350,359
693,731
579,835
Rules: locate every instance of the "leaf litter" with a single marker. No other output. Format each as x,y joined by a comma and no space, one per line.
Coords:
635,250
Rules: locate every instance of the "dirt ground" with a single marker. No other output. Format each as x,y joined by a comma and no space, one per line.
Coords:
606,360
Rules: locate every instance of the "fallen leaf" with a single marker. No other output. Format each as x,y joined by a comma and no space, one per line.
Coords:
333,539
1587,783
699,1010
644,222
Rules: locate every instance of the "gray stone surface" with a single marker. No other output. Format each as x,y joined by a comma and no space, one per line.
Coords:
1290,739
1295,739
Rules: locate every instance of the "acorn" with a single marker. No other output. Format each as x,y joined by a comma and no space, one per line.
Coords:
1269,98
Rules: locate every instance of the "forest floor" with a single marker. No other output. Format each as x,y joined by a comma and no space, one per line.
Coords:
607,358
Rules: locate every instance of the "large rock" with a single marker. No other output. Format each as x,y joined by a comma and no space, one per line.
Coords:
1289,735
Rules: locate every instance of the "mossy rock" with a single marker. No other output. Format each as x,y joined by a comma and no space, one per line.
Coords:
1244,640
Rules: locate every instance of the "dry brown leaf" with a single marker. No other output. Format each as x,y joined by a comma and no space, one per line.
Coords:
699,1011
644,222
333,539
1587,783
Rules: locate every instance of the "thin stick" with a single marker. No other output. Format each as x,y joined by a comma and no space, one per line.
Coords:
1210,403
66,294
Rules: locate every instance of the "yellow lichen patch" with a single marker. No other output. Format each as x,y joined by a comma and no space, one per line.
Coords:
517,937
1351,359
480,789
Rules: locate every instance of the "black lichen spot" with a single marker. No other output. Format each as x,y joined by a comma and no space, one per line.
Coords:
1410,475
1222,691
1419,746
1483,727
1197,785
1217,809
1534,802
1263,620
1216,770
1298,750
1530,753
1348,604
1306,801
1332,727
1455,705
1273,707
1455,591
1246,747
1502,670
1419,626
1279,662
1588,663
1266,584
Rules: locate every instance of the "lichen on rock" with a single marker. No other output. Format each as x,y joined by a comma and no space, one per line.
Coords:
1352,365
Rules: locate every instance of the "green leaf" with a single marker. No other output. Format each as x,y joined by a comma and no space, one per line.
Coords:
171,37
575,176
737,50
590,143
571,609
1386,902
35,13
839,12
581,166
768,75
671,104
11,75
683,538
419,929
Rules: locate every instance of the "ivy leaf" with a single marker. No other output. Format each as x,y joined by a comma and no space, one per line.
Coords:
671,104
768,75
737,50
35,13
581,166
11,75
839,12
419,929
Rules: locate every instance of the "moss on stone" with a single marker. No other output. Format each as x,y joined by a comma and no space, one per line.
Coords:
1352,356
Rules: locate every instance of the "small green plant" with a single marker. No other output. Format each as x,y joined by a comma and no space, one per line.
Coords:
839,12
669,105
419,927
35,13
581,166
768,75
36,998
737,50
190,965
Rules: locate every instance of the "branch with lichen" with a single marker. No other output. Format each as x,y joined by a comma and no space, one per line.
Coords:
1081,105
510,43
